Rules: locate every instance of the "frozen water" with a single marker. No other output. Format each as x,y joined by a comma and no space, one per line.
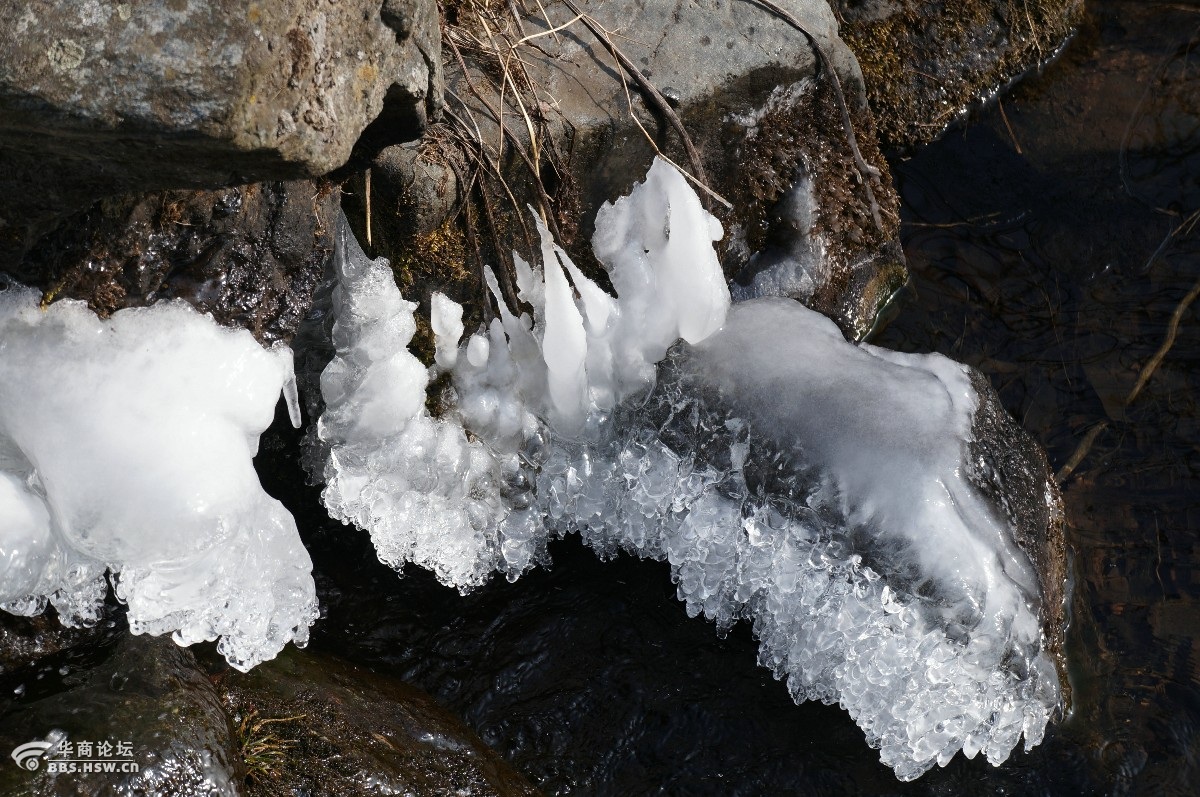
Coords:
126,445
426,492
792,479
445,318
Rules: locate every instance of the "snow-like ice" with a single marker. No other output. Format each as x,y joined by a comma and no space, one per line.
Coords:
126,445
813,487
426,492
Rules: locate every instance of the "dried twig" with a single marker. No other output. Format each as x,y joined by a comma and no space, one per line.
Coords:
654,145
496,115
1011,134
1081,451
1172,331
367,181
1144,375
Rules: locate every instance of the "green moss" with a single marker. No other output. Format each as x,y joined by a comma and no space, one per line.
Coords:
931,59
809,134
263,744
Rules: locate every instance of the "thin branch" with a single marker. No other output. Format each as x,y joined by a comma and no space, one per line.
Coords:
1172,331
367,180
1011,134
650,139
1147,371
1081,451
552,31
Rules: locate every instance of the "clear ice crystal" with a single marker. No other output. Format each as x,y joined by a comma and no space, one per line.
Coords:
792,479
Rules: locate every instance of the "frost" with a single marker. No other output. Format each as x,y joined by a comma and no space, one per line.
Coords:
126,445
790,478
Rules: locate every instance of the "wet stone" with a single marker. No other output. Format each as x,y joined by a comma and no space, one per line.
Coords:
308,723
926,62
143,693
251,255
27,640
100,98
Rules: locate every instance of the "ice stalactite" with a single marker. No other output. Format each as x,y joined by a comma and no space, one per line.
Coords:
792,479
126,446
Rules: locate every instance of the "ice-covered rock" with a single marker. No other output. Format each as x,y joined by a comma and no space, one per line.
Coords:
819,489
126,445
426,492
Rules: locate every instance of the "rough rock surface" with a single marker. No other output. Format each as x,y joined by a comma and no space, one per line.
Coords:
745,83
1008,466
926,62
1011,471
337,729
101,98
250,255
24,641
144,691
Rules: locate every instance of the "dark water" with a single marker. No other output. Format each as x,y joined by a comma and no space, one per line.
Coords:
1042,252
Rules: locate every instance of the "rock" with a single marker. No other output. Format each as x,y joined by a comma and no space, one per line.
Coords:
926,62
746,85
24,641
311,724
1008,466
101,98
145,692
250,255
1000,460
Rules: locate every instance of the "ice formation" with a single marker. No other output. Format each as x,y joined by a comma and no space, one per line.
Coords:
126,446
813,487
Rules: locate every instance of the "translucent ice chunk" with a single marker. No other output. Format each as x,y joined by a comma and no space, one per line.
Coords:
793,479
127,444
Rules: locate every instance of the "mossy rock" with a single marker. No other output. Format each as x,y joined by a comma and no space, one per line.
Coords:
928,62
308,723
748,86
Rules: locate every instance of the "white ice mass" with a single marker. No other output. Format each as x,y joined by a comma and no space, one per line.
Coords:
126,446
813,487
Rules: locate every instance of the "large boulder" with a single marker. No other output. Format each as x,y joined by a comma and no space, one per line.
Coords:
102,98
750,88
927,62
1010,469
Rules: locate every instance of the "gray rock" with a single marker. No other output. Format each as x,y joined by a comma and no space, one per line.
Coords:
1002,461
145,692
927,62
1008,466
747,86
311,724
100,98
250,255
